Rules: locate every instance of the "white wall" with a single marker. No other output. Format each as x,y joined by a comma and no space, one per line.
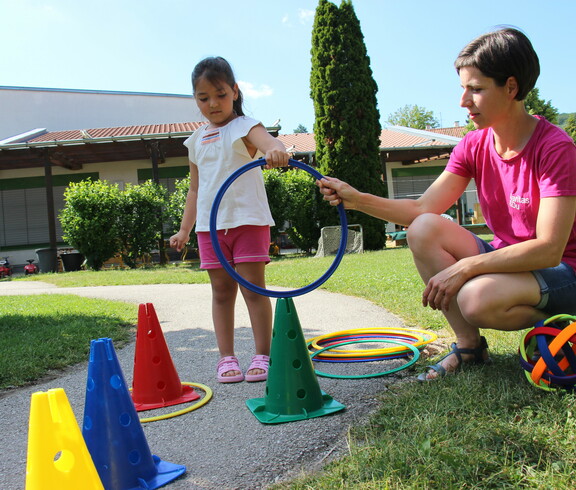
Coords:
23,109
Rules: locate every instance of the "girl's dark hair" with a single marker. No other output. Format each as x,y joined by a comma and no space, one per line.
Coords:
217,70
502,54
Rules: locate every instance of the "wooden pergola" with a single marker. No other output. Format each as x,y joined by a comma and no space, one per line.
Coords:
76,154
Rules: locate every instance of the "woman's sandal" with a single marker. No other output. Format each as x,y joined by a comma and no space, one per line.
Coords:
477,352
227,364
258,362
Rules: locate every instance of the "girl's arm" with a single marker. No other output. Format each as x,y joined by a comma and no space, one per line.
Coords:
442,194
180,239
274,151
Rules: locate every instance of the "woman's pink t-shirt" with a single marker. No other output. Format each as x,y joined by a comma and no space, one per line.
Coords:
509,191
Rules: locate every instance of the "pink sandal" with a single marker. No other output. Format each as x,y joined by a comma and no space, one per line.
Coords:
258,362
227,364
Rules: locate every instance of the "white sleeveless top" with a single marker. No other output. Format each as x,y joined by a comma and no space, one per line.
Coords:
218,152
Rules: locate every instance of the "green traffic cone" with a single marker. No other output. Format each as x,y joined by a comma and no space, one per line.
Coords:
292,389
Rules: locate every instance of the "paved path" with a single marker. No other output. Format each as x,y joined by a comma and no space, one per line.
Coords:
222,444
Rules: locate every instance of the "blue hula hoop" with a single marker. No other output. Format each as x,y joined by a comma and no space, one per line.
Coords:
243,282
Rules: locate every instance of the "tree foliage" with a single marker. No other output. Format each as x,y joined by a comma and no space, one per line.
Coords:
537,106
413,116
570,126
301,129
563,118
347,128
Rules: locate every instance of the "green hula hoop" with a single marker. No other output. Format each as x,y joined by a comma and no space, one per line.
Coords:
414,350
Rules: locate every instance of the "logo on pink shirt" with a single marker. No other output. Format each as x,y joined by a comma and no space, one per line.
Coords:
516,201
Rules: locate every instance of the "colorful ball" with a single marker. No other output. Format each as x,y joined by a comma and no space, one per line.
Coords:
548,353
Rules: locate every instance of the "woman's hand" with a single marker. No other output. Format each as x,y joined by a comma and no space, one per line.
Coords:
443,287
336,191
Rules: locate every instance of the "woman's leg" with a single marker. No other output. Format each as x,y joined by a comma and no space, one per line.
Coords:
497,301
259,308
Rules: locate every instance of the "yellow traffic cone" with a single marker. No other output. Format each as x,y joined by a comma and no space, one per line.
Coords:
57,454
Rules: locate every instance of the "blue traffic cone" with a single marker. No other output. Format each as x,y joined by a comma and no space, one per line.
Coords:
112,430
292,389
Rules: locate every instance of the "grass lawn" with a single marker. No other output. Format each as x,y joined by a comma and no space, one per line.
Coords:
485,428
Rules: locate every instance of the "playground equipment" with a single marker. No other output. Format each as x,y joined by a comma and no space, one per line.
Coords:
112,431
252,287
5,268
30,268
57,454
548,353
156,382
415,352
415,337
292,389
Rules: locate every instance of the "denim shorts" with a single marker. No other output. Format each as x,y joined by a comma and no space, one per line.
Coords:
557,285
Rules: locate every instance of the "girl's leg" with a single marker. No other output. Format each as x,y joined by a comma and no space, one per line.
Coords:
497,301
224,291
259,308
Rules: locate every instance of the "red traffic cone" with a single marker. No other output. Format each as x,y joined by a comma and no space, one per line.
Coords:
156,383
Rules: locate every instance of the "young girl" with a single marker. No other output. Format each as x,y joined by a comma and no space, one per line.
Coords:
216,150
525,172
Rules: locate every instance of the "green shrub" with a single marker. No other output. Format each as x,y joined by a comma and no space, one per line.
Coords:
277,197
175,205
90,220
300,202
140,220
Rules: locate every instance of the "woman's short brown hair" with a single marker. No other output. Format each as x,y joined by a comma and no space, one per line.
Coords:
501,54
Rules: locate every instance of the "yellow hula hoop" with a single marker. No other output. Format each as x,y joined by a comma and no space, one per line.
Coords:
373,352
198,404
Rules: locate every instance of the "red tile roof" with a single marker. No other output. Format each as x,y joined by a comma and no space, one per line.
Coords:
150,129
389,138
392,137
457,131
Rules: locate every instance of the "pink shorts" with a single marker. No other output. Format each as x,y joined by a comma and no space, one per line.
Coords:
246,243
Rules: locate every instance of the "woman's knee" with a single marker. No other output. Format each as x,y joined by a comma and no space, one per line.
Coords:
477,302
423,230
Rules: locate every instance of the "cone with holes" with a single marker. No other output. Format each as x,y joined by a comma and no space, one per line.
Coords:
57,453
292,389
112,430
156,383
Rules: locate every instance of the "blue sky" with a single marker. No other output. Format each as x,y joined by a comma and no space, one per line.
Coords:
152,46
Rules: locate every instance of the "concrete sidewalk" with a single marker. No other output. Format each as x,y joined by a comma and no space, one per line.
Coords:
222,444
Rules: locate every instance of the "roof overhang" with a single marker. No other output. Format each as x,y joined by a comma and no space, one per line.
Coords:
72,154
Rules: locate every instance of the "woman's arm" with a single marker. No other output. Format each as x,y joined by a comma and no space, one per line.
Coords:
555,221
554,224
442,194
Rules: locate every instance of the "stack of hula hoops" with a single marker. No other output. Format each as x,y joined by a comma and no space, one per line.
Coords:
406,343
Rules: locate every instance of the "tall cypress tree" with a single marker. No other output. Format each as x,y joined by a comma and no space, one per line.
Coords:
347,126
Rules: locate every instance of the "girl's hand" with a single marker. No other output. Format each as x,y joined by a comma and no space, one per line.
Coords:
276,158
179,240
